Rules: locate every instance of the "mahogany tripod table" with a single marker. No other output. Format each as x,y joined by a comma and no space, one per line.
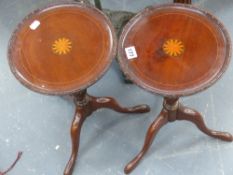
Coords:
62,50
174,50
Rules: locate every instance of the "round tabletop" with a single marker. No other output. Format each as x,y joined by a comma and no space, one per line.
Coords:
174,49
62,49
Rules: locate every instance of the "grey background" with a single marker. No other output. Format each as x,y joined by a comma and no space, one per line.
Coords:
39,125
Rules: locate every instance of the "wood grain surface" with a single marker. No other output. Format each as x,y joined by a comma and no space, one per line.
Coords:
62,48
180,49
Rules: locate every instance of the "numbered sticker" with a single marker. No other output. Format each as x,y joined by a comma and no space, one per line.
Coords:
34,25
131,52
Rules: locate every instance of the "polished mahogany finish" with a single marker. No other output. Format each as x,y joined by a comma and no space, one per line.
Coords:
85,106
180,49
62,49
173,110
174,50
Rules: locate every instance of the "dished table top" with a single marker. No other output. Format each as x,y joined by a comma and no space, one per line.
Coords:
174,49
62,48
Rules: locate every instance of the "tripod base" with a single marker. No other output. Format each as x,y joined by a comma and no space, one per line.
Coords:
173,110
85,106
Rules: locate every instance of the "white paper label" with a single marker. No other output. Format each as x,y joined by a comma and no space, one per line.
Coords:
34,25
131,52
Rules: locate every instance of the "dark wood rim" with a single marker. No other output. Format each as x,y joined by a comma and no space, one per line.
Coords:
178,93
71,91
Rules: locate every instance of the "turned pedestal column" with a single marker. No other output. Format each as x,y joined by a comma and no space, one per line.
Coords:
174,50
63,49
